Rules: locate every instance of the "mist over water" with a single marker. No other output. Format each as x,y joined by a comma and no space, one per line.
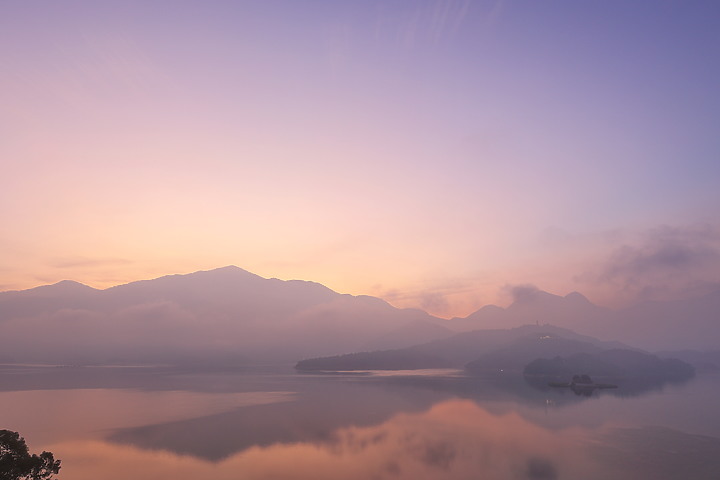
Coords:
266,423
482,239
212,393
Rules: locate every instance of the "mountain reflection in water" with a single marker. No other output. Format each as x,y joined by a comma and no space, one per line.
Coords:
233,425
453,439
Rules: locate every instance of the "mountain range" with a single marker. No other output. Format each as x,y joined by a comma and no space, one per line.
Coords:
229,315
477,350
223,315
692,323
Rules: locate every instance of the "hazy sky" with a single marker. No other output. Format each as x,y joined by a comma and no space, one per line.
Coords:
431,152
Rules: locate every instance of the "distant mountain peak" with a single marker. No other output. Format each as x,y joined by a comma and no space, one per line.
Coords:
63,287
531,298
228,268
491,308
229,272
71,284
577,297
231,269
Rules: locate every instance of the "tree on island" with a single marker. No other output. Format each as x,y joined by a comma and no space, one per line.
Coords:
16,462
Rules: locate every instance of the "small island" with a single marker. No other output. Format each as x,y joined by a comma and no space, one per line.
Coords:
630,370
615,363
581,381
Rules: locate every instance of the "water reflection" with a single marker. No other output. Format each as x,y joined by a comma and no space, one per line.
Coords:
626,387
529,390
250,425
453,439
321,406
48,416
658,453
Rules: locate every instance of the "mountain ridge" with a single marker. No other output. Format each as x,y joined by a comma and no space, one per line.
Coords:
690,323
222,314
235,311
475,350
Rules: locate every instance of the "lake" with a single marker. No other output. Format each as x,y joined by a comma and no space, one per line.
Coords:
273,423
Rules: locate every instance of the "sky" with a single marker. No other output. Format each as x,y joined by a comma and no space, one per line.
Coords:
434,153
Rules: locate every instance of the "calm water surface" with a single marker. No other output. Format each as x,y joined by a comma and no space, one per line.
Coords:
272,423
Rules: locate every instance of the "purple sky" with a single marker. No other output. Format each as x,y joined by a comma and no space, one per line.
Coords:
433,153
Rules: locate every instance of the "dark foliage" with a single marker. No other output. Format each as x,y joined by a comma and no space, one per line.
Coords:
613,363
16,462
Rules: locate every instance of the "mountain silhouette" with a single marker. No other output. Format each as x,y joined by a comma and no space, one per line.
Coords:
668,325
230,315
217,316
479,350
